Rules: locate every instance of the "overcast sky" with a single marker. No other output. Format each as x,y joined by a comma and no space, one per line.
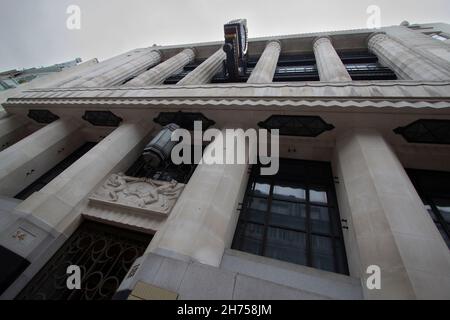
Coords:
34,32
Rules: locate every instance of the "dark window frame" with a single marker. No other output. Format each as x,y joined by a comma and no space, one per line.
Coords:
428,195
320,183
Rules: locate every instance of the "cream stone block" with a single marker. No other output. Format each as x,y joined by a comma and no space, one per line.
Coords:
430,286
12,129
203,220
387,218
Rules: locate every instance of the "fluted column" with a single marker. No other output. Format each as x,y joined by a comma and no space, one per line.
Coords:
12,129
404,62
162,71
206,70
329,64
25,161
204,218
123,72
267,64
117,72
388,225
83,74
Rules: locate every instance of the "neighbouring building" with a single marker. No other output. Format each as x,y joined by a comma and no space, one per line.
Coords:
363,181
13,78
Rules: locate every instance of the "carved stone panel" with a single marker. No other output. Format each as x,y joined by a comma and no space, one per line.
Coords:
142,195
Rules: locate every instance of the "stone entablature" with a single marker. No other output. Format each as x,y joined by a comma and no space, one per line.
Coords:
372,89
139,195
417,94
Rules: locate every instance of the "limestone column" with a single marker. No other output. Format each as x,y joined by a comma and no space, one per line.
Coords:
81,74
25,161
267,64
403,61
162,71
12,129
203,220
329,64
55,203
387,222
116,73
124,71
206,70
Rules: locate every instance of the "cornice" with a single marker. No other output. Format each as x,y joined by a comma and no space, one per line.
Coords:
396,94
390,83
175,103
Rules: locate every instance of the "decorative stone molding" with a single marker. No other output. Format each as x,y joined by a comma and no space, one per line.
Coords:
140,195
374,94
186,104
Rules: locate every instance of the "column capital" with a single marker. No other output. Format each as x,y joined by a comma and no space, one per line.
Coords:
274,41
191,52
374,34
157,51
317,40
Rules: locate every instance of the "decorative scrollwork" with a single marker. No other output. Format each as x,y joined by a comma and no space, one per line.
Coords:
104,255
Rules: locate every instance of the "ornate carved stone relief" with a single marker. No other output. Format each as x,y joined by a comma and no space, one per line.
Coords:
142,195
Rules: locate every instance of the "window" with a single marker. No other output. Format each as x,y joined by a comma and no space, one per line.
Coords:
293,216
439,36
434,189
365,66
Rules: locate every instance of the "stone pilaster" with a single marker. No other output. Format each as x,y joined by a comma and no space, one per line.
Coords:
206,70
329,64
12,129
267,64
117,72
24,162
54,203
203,221
403,61
388,225
162,71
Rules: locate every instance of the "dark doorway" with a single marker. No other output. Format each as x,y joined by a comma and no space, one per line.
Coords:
104,254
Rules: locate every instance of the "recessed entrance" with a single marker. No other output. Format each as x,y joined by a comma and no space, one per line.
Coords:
104,255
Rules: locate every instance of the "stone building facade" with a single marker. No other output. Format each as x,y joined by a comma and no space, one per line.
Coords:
364,179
